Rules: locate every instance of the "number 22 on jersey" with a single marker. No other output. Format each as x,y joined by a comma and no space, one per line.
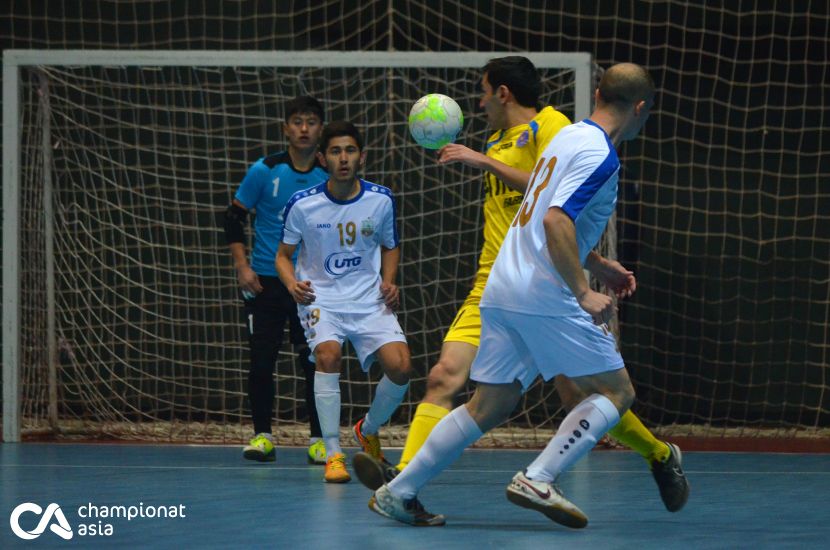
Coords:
529,204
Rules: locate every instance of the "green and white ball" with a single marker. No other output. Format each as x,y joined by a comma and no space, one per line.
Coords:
435,120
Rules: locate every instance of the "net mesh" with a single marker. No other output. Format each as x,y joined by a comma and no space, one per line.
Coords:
151,342
723,199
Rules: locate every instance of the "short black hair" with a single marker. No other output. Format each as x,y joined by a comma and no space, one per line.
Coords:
519,75
304,104
339,128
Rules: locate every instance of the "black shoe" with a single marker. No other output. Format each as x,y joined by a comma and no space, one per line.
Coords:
371,472
672,482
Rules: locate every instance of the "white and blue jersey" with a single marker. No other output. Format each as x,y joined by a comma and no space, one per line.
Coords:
267,187
341,243
577,172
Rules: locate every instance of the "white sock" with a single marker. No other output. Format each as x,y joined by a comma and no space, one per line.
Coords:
454,433
388,396
327,399
576,436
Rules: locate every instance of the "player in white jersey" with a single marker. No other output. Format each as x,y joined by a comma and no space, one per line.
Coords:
540,316
345,287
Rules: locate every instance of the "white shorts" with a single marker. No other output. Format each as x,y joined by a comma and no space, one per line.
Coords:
366,331
518,346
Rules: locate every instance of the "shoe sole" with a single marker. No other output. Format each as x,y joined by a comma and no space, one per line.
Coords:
338,480
368,471
258,456
560,516
317,462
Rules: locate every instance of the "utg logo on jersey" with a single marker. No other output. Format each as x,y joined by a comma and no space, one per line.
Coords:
341,263
60,526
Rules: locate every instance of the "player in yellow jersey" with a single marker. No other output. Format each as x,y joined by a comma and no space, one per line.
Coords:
510,93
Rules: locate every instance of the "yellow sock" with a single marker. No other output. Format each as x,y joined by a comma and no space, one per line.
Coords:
427,416
631,433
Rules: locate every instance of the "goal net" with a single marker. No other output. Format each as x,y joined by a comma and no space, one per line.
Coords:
129,317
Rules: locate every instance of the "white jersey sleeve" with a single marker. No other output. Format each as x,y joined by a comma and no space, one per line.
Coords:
292,229
389,227
587,173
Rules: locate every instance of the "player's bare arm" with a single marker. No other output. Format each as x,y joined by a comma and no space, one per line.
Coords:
301,291
564,252
514,178
246,277
612,274
389,261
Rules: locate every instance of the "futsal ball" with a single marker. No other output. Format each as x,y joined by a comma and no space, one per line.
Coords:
435,120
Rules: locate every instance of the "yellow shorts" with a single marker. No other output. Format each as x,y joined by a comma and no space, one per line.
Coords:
466,327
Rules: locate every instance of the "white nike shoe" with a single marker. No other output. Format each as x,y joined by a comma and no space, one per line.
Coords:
546,498
411,511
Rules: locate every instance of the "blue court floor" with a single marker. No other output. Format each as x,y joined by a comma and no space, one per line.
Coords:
737,501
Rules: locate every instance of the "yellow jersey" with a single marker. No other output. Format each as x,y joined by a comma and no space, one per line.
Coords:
517,147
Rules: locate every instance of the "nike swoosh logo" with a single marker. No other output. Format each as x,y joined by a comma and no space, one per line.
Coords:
540,494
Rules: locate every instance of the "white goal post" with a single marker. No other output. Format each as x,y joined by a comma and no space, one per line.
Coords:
16,61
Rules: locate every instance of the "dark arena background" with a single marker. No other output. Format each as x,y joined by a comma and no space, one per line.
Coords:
723,200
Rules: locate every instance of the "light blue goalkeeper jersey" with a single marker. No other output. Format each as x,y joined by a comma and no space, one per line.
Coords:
266,188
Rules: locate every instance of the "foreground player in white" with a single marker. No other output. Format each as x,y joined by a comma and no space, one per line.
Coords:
540,316
345,287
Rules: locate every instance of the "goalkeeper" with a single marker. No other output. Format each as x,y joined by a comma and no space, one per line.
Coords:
266,188
511,87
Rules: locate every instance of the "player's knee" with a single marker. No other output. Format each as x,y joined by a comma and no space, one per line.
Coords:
492,404
628,397
623,397
327,360
569,393
446,379
397,365
405,369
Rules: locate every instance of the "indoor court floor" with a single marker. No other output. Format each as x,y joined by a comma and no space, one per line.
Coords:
738,500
